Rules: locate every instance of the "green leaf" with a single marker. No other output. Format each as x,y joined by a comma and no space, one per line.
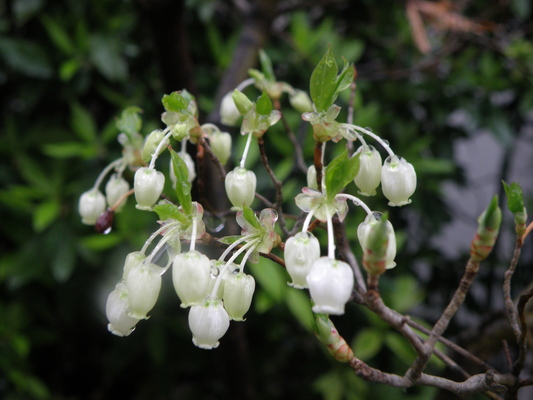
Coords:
105,53
167,210
130,122
99,242
26,58
45,214
344,79
229,239
68,69
266,66
264,104
82,123
515,197
174,102
70,149
249,215
401,347
58,35
368,343
183,186
341,171
300,306
271,277
323,82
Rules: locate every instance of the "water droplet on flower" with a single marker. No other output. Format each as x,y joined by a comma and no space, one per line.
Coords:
213,223
368,129
215,271
386,142
235,271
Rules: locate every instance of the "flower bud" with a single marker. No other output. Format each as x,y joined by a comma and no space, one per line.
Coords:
208,323
148,184
151,143
378,241
369,175
238,292
326,332
311,177
242,102
330,285
488,229
143,283
229,114
191,277
116,309
221,146
91,205
301,102
240,186
398,180
115,188
301,251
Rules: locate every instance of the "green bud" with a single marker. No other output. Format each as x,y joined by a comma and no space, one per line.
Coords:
515,203
488,228
326,332
243,103
377,239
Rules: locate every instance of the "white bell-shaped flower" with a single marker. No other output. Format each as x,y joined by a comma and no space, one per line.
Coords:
238,292
143,283
229,114
369,175
115,188
120,322
148,184
191,170
208,323
240,186
92,204
398,180
301,251
364,230
330,284
221,145
191,277
132,260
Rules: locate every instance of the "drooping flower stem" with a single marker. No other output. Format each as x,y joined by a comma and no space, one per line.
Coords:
373,136
331,240
357,201
168,133
105,171
233,245
246,148
152,237
193,234
249,245
307,221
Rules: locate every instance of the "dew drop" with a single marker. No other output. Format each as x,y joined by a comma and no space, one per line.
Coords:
386,142
369,129
215,271
214,224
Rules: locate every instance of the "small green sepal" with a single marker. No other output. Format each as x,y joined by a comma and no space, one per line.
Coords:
183,186
264,104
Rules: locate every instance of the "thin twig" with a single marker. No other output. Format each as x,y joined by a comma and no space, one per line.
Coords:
213,157
522,343
317,159
277,185
509,304
298,152
440,326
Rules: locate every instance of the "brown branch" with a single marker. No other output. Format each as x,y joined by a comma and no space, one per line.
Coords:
440,326
509,304
277,185
488,381
317,159
522,343
213,157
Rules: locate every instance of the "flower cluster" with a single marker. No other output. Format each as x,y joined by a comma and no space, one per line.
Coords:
217,291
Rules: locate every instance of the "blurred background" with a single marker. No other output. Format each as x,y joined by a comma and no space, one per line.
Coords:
447,83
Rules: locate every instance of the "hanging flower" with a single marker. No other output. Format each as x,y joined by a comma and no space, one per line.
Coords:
369,175
238,292
208,323
148,185
120,322
92,204
301,251
330,284
240,187
398,180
